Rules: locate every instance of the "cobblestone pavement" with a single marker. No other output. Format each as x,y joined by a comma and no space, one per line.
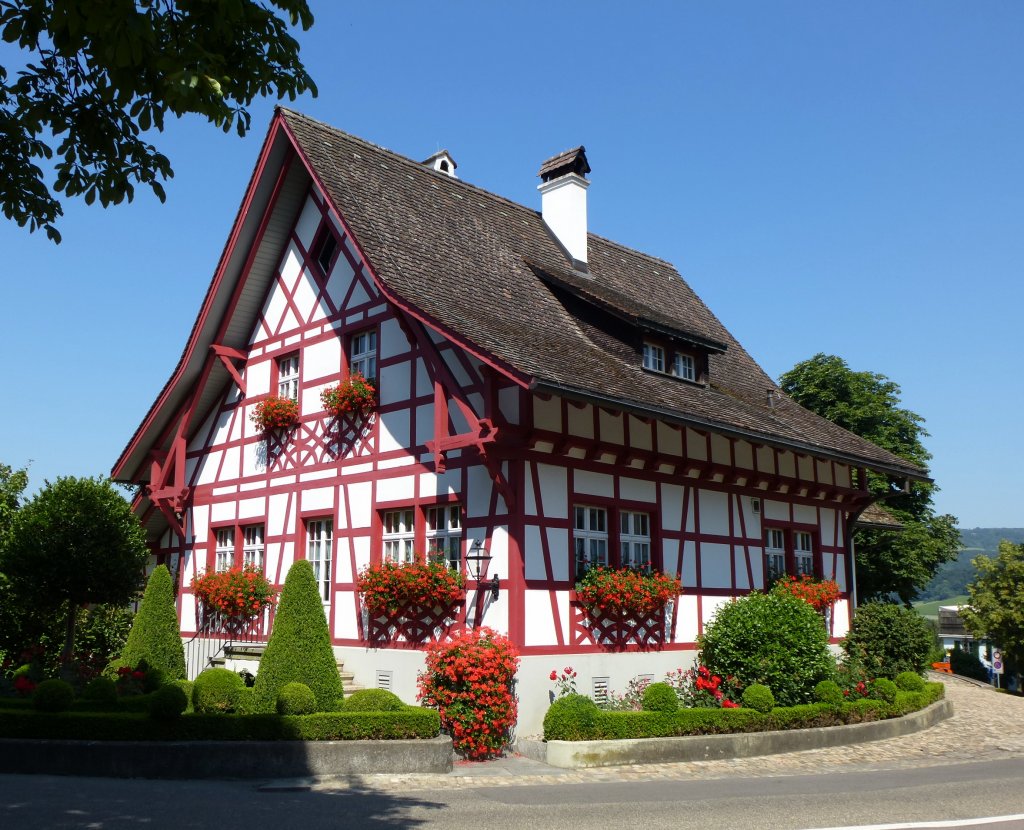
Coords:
985,726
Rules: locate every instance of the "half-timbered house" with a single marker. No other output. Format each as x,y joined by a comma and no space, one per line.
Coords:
557,397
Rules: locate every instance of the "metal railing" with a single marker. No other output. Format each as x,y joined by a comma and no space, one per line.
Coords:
215,637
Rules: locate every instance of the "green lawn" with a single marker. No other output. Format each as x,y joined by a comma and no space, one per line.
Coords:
931,609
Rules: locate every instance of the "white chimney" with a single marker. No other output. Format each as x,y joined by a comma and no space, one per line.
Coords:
563,199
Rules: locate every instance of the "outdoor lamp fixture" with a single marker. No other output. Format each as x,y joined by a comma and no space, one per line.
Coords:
478,559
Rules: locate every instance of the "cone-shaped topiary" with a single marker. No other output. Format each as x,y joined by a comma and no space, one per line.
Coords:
155,636
299,649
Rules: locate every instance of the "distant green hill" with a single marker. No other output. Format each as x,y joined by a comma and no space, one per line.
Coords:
952,578
931,608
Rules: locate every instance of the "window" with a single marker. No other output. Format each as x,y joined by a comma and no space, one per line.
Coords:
324,251
803,553
775,553
590,537
288,377
635,539
788,552
399,535
444,533
225,549
654,357
319,541
363,354
683,367
252,546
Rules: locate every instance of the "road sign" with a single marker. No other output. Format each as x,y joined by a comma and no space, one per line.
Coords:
997,662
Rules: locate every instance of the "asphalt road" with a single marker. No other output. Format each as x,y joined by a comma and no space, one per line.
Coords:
797,802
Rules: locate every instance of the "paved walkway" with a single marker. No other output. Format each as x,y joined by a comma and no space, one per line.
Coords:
985,726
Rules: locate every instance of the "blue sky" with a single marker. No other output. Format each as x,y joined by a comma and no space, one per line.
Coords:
839,178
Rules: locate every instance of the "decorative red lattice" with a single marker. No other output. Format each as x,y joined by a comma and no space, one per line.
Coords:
413,624
617,630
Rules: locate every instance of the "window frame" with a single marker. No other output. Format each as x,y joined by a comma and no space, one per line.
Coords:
224,554
614,510
679,358
248,547
322,565
325,237
421,534
791,554
403,539
664,357
281,378
361,360
451,533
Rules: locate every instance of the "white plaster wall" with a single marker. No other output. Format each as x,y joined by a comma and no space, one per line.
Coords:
714,512
394,387
558,545
611,426
399,488
635,489
593,484
394,430
715,571
478,498
547,414
581,420
309,221
671,507
540,624
554,495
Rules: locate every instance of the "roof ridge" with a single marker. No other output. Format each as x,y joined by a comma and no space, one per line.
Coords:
413,163
637,251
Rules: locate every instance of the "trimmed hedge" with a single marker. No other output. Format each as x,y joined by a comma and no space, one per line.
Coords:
887,639
412,722
373,700
660,697
570,719
299,649
155,636
758,697
296,699
53,696
216,691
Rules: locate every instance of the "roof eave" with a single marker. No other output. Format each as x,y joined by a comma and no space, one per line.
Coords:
725,429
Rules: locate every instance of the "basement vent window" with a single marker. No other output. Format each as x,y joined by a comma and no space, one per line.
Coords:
385,679
599,690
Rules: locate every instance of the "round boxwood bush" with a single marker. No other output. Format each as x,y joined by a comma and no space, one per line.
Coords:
299,649
168,702
828,691
777,640
101,690
155,636
373,700
887,639
53,696
216,691
883,689
295,699
909,681
570,718
759,697
660,697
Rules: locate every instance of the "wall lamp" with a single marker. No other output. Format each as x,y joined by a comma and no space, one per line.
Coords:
478,559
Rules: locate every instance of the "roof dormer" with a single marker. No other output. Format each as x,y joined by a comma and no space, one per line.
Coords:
442,162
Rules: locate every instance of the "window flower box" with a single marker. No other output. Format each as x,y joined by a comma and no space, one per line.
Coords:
626,591
820,594
235,597
275,412
390,588
355,396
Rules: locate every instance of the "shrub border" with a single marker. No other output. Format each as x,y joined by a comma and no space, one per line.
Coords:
597,753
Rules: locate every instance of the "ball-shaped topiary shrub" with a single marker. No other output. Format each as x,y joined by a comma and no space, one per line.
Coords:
295,699
101,690
53,696
155,637
758,697
909,681
774,639
828,691
570,718
660,697
883,689
168,702
373,700
887,639
299,649
216,692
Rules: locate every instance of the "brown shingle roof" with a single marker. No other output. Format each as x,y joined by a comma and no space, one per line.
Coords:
470,261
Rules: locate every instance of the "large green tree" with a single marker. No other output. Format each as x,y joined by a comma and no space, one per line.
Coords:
996,606
96,75
889,563
76,543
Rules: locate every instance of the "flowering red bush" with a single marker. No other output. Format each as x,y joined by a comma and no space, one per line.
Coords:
275,413
626,591
24,685
389,587
355,395
818,593
700,688
469,680
237,595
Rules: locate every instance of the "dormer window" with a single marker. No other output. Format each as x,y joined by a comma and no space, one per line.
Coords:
684,367
654,357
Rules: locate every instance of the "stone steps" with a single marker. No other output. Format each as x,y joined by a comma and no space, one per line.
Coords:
241,655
